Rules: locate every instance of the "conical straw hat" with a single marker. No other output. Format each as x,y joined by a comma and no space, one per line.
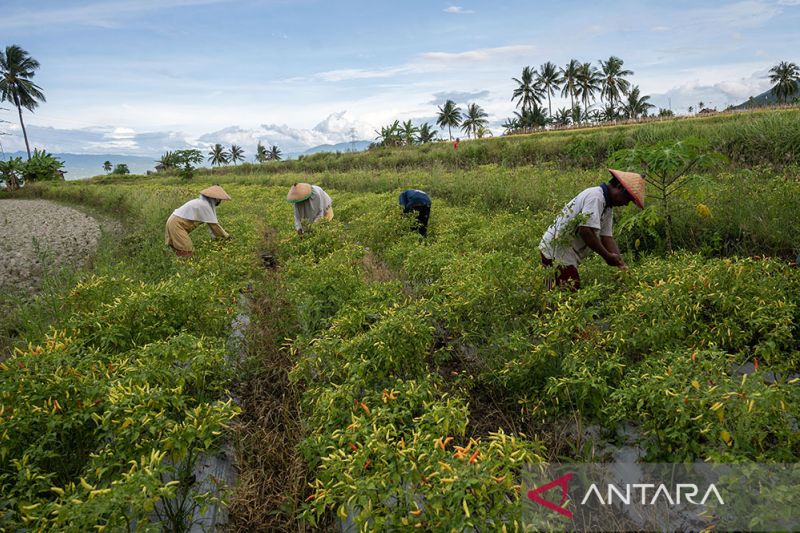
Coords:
299,192
633,183
216,192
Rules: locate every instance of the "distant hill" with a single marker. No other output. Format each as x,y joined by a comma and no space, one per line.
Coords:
354,146
80,166
764,99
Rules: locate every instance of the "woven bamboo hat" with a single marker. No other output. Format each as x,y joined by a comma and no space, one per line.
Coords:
633,183
299,192
216,192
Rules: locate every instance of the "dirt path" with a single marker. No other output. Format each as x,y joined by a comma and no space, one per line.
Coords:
37,236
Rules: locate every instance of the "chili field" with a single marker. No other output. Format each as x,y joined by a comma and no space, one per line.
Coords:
418,378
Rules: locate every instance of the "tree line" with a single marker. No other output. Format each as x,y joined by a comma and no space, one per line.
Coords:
585,85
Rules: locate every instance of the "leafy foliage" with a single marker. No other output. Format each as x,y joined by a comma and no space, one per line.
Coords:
667,167
120,169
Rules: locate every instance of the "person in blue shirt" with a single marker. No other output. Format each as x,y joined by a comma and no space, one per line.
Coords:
419,201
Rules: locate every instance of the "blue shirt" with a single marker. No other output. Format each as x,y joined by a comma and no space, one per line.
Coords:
412,198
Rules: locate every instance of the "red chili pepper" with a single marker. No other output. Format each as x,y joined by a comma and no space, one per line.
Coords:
474,456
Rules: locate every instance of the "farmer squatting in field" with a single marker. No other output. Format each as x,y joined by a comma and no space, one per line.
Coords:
585,225
419,201
190,215
310,203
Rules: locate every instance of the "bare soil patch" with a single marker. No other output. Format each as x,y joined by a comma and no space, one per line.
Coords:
37,236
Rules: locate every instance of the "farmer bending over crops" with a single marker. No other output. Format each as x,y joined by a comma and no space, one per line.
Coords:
310,203
584,225
190,215
419,201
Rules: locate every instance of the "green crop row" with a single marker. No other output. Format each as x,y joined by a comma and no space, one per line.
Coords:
740,212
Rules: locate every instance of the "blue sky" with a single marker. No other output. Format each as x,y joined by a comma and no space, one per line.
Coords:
144,76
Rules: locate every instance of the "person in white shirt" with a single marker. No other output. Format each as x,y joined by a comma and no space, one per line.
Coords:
585,226
192,214
310,203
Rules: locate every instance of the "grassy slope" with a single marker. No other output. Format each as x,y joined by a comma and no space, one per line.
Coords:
751,138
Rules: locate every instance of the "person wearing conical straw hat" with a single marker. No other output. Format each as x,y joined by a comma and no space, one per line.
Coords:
310,204
186,218
585,226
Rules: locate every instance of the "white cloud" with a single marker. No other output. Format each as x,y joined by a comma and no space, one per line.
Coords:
95,140
335,128
480,54
457,10
718,93
789,2
361,74
431,62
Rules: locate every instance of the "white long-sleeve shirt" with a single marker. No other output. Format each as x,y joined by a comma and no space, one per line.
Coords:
312,209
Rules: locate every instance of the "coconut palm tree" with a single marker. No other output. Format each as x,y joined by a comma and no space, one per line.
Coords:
527,91
691,108
107,166
636,106
510,125
569,77
549,79
274,153
475,118
425,134
450,116
169,160
483,131
786,77
608,114
218,156
562,117
576,114
613,84
407,132
588,84
16,70
236,153
532,119
261,153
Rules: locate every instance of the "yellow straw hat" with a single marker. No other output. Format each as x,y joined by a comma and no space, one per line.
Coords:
299,192
633,183
216,192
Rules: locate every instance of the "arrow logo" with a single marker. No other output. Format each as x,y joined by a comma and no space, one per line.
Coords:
533,495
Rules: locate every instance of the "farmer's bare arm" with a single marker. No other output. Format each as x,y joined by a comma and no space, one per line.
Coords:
611,245
592,241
